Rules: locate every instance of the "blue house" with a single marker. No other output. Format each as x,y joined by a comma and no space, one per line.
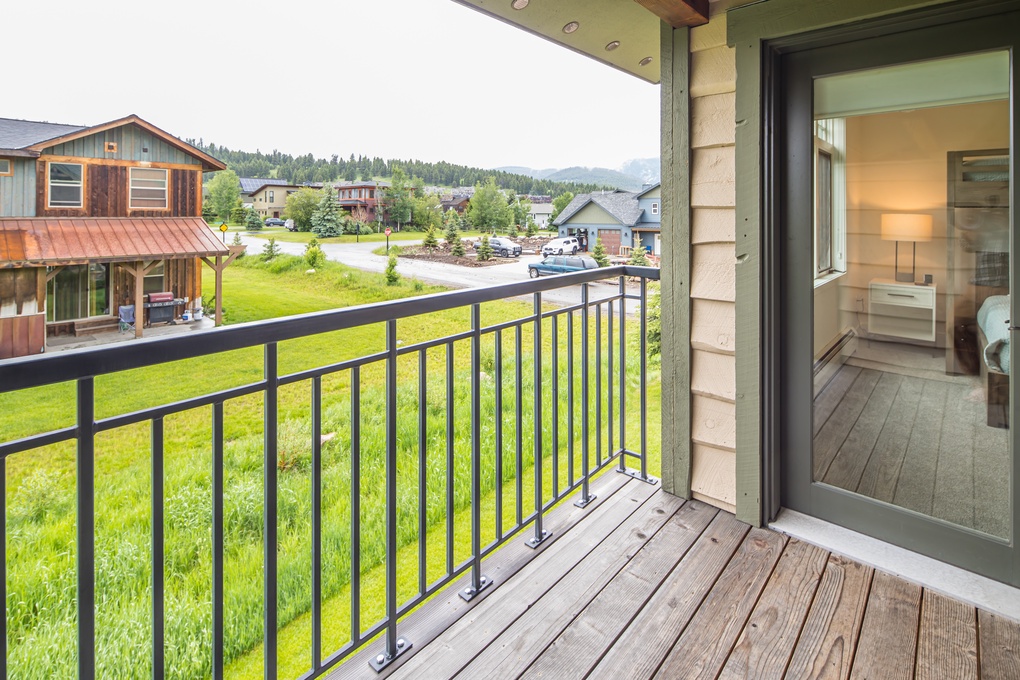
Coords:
619,218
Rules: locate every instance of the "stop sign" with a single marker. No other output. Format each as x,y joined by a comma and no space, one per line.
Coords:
387,231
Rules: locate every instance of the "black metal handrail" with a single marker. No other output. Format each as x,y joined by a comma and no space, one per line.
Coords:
84,366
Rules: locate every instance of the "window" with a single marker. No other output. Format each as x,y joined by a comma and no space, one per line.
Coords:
830,197
5,167
153,282
655,208
271,197
148,188
65,185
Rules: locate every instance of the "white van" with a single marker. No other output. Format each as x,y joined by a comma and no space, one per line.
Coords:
559,246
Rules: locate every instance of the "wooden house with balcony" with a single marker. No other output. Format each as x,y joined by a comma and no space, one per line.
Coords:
93,217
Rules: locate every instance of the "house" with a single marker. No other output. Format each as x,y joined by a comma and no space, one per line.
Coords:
619,218
362,199
251,185
91,216
270,199
541,212
457,202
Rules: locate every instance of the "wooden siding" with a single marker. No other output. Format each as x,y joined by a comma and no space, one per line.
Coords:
181,277
133,144
713,263
22,312
107,193
17,191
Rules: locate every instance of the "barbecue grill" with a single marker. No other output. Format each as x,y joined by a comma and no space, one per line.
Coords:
161,307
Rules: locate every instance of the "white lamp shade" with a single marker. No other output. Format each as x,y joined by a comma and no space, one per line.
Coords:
906,227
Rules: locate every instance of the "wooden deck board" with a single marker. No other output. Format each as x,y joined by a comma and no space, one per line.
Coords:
832,394
854,455
999,641
947,639
954,481
837,428
915,490
883,469
888,643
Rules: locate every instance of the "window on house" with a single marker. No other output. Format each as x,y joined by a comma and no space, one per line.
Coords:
6,167
830,197
65,185
655,208
154,280
148,188
272,197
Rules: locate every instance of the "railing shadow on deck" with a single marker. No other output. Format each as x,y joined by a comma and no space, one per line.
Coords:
552,333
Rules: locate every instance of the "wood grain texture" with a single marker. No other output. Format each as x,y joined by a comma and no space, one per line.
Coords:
712,34
707,642
713,326
713,225
767,641
712,274
713,71
713,375
712,177
999,641
947,639
712,120
714,423
712,475
888,642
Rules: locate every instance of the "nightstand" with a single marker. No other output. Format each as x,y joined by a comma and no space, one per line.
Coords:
901,310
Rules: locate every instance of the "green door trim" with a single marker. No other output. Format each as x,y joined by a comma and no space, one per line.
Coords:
676,251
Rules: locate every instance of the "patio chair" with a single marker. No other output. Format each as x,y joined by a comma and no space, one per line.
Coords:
126,317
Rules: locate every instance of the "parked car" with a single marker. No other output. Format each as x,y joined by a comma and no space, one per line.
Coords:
274,222
561,264
290,225
504,247
559,246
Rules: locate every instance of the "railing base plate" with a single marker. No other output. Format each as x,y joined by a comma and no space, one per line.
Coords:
381,661
535,541
636,474
582,502
470,593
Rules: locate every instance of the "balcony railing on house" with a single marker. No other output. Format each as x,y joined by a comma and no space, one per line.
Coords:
581,377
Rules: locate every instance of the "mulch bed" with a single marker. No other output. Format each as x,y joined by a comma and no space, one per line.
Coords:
442,253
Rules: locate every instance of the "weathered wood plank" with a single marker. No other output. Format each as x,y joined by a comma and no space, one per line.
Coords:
580,643
712,177
714,423
707,642
999,640
445,611
883,469
848,465
767,641
513,650
836,429
947,640
713,326
712,475
712,120
888,641
829,638
712,275
463,640
713,375
642,646
714,225
713,71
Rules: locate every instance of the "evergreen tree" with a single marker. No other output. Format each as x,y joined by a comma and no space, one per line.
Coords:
237,213
637,254
599,253
271,250
452,233
532,227
484,249
458,248
252,221
392,277
431,241
328,218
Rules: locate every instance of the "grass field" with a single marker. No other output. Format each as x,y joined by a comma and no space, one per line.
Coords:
40,485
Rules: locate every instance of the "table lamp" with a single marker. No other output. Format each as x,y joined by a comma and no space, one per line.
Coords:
912,227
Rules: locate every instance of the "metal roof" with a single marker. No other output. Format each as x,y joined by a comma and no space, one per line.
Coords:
250,185
53,241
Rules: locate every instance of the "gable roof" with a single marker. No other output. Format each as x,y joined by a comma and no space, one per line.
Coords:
649,189
251,185
621,206
30,139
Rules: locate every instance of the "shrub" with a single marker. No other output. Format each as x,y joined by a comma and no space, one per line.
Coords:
654,321
237,214
452,234
484,249
315,257
271,251
599,253
392,277
532,228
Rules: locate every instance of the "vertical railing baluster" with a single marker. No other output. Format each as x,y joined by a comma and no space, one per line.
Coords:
217,541
623,374
423,421
394,645
3,567
499,434
570,399
158,550
86,529
610,451
269,501
478,581
518,402
540,533
356,505
586,496
449,458
644,378
316,523
555,405
598,385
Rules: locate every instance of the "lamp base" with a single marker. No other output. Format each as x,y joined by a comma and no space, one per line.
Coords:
904,277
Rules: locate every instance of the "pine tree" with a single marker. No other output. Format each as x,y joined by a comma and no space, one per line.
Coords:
271,250
458,248
431,241
637,254
598,253
532,228
328,218
392,277
484,249
452,233
252,221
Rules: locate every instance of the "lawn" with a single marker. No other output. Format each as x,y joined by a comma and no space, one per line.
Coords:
40,519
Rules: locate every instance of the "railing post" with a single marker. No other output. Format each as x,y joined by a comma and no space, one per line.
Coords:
641,474
499,434
86,529
269,501
158,546
644,378
609,384
423,413
478,581
586,495
217,541
598,385
356,505
316,523
394,646
555,406
540,533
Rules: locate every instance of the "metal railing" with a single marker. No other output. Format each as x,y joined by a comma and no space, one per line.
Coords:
547,326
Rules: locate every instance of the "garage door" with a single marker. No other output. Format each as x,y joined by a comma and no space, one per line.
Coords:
610,240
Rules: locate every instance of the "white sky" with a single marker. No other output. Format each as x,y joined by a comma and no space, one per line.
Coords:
425,79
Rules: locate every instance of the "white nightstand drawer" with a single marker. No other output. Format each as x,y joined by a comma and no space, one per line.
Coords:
904,295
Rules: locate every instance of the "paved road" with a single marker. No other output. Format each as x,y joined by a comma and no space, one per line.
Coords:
360,256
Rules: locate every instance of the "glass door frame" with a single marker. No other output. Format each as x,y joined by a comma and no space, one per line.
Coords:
788,282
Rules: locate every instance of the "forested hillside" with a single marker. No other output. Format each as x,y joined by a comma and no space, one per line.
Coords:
307,168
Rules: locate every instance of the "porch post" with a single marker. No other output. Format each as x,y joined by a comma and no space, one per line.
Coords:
219,290
139,272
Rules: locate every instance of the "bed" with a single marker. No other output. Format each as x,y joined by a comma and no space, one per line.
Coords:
993,336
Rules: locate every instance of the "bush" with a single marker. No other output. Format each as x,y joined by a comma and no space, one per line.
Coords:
315,257
532,228
654,321
237,214
484,249
392,277
599,254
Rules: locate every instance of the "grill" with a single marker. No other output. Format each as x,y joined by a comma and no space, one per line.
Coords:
161,307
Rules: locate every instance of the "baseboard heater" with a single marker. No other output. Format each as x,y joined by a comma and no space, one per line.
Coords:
833,357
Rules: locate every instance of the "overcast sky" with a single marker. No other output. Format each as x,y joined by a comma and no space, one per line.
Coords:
425,79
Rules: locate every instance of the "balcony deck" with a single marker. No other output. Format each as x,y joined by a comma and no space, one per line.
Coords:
641,584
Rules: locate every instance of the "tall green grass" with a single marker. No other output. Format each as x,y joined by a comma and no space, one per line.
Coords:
40,509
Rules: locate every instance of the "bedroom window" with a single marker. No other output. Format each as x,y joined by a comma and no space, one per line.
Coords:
65,185
830,197
148,188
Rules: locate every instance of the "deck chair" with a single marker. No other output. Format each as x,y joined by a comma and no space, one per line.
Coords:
126,317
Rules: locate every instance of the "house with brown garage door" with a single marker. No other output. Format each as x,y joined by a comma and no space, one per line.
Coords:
96,217
620,218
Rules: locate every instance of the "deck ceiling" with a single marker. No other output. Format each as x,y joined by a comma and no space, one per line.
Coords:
600,24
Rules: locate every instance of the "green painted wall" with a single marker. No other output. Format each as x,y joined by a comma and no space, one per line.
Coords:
133,144
17,192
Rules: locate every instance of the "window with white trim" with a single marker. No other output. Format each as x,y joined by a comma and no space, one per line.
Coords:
272,197
830,197
148,188
6,167
655,208
65,185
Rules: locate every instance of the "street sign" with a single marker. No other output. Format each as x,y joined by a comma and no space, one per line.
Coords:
387,231
223,226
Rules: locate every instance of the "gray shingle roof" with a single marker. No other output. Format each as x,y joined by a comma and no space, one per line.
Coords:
18,134
621,205
250,184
